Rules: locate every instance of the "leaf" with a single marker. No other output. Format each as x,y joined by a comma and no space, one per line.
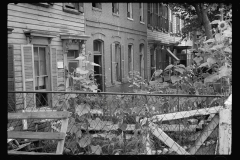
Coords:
93,87
80,58
82,109
175,79
123,126
227,33
211,61
227,49
72,145
169,67
158,72
212,78
85,141
215,22
180,70
94,64
96,149
198,60
216,47
204,64
209,40
81,71
218,37
181,65
224,71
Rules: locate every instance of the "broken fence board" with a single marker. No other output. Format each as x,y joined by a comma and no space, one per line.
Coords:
166,139
30,153
225,131
204,135
185,114
39,115
36,135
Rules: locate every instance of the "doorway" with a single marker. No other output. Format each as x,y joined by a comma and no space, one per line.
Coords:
97,58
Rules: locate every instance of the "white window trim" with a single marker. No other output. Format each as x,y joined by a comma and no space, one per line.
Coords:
130,19
142,22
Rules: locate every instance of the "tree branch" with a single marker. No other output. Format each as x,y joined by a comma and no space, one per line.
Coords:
205,10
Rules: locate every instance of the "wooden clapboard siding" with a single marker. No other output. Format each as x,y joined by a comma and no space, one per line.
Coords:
24,16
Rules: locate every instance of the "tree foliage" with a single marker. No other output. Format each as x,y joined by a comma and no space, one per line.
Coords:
197,16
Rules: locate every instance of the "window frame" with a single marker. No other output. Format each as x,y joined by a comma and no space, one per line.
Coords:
117,7
129,11
77,11
72,59
141,8
97,7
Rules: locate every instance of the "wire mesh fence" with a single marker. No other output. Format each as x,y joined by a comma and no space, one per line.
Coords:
118,123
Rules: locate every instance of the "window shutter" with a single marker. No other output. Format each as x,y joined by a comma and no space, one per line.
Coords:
11,87
113,66
54,71
28,75
81,7
123,61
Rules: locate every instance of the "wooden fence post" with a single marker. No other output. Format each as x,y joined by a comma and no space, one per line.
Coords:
225,127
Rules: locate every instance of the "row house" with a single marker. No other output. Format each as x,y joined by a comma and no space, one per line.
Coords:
163,36
118,42
131,36
43,39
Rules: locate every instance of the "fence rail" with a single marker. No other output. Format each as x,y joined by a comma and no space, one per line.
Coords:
122,123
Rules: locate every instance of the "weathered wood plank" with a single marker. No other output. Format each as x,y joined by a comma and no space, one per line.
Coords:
36,135
30,153
185,114
39,115
204,135
225,131
159,133
45,21
63,130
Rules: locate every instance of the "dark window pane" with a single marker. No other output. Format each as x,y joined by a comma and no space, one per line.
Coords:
42,59
72,66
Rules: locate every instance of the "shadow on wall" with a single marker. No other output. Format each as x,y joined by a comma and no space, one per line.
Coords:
123,88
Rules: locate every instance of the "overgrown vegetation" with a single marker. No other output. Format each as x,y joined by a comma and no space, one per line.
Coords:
110,124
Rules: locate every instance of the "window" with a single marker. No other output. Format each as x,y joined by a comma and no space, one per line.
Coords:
41,76
115,8
97,58
150,13
130,58
129,10
97,5
177,24
72,63
170,21
155,15
118,62
141,69
141,12
75,8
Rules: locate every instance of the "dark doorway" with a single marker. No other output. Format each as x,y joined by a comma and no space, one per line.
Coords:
98,71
